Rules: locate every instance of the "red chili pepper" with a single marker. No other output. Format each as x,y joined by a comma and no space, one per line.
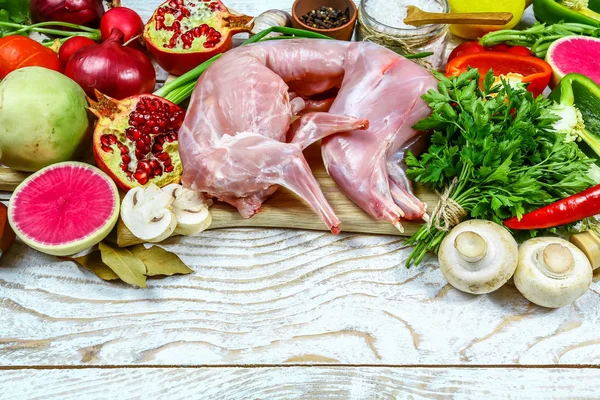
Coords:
571,209
522,50
466,48
535,71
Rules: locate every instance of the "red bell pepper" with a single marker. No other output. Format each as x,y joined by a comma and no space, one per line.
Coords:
535,71
466,48
570,209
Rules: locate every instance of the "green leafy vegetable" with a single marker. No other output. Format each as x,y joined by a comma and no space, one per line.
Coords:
15,11
495,154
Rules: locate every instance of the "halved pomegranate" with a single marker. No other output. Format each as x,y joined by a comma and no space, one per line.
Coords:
135,140
184,33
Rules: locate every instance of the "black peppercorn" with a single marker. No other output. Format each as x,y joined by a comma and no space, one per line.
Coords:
326,18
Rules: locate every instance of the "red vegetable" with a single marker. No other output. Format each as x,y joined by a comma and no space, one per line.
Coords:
73,44
112,69
565,211
20,51
466,48
535,71
81,12
500,48
124,19
182,34
522,50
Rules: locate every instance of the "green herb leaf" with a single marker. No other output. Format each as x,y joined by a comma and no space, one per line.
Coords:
93,262
496,147
16,11
129,268
159,261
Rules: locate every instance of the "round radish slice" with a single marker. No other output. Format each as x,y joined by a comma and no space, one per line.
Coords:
578,54
64,208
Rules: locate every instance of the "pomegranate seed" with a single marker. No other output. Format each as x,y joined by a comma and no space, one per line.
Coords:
124,166
145,166
168,163
209,45
163,157
139,154
107,149
139,145
124,149
173,136
141,177
147,139
170,168
136,134
154,164
159,139
126,159
158,171
157,148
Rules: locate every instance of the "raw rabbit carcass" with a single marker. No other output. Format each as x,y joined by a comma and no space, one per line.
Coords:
244,132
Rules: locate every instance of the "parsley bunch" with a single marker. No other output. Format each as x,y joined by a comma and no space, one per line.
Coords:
495,148
16,11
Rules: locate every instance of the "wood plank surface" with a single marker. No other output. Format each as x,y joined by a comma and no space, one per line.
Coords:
300,383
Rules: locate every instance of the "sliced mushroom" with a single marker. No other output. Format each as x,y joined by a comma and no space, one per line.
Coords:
146,212
478,256
552,272
192,212
589,243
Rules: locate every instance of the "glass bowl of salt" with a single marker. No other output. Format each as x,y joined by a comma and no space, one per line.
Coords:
382,22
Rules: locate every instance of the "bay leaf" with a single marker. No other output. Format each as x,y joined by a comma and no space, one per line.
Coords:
93,262
129,268
159,261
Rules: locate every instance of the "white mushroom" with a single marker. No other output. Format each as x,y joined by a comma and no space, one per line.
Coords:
478,256
191,210
552,272
589,243
146,212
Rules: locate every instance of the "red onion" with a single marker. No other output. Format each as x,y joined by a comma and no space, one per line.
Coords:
81,12
126,20
112,69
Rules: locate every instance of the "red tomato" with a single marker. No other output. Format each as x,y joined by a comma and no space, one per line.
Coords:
20,51
500,48
69,47
465,49
522,50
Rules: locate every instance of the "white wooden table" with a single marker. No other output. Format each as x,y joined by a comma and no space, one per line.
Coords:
282,314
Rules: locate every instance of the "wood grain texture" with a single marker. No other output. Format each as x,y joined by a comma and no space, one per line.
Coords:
280,297
300,383
285,210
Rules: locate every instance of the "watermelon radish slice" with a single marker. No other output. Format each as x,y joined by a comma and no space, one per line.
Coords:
578,54
64,208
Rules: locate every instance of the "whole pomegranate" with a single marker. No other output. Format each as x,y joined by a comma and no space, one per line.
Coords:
135,140
184,33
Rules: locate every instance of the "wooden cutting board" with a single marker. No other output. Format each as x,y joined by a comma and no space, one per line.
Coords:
285,210
282,210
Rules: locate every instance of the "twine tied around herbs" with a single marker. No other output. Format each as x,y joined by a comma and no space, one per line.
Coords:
401,45
447,213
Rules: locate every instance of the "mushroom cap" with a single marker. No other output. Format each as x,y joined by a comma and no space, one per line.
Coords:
496,266
551,287
146,213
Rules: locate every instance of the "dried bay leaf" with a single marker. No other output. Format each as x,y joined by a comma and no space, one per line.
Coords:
93,262
129,268
159,261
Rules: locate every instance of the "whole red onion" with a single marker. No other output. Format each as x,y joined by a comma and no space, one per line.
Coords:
81,12
112,69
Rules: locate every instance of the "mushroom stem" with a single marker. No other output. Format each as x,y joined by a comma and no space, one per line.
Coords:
589,243
557,259
470,246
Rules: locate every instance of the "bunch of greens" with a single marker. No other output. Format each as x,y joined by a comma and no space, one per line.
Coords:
494,152
539,37
13,11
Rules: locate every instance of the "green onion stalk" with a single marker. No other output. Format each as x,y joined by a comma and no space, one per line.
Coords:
51,28
181,88
539,37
